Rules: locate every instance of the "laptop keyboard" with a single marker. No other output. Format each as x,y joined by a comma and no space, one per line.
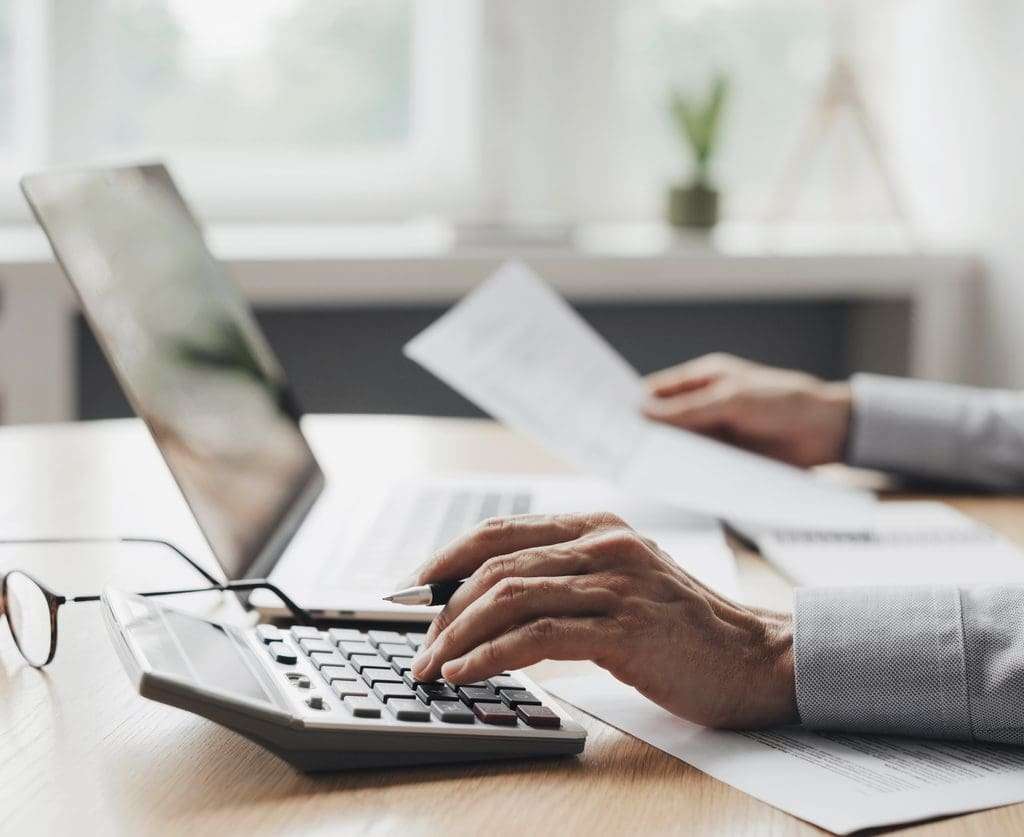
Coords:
413,522
369,672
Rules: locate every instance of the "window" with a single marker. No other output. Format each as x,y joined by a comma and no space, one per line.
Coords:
267,109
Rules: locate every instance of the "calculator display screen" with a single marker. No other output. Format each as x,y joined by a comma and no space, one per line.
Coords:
195,650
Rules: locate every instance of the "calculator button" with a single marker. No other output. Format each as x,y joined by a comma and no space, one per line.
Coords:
315,702
268,633
516,697
505,682
344,689
362,707
408,710
474,694
393,649
401,664
346,635
297,679
429,692
311,645
377,637
495,713
386,691
332,673
416,640
282,653
451,712
355,649
306,632
539,716
373,676
363,663
328,658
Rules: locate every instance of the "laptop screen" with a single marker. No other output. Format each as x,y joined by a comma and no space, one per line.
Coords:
186,349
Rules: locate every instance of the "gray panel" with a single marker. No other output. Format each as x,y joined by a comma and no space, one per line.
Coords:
350,359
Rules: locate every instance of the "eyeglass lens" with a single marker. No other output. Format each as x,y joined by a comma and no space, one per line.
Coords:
28,613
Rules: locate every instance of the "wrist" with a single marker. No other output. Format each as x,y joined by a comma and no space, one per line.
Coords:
779,675
836,399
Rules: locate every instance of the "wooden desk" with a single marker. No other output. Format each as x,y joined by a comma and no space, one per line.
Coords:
82,753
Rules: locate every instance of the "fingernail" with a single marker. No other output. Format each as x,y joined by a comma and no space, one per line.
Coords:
421,662
452,669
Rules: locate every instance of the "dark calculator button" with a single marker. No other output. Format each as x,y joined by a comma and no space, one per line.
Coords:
495,713
373,676
311,645
517,697
282,653
377,637
415,640
451,712
429,692
410,680
331,673
503,681
345,688
326,658
362,663
401,664
346,635
538,716
354,649
362,707
315,702
475,694
408,710
306,632
268,633
393,649
386,691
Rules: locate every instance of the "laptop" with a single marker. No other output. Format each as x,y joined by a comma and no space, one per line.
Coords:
187,350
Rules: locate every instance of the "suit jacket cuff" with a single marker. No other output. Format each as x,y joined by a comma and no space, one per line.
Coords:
882,660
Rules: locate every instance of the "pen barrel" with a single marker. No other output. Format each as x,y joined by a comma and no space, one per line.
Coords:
442,591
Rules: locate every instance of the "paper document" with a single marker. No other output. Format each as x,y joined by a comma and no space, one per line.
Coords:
840,782
520,352
912,542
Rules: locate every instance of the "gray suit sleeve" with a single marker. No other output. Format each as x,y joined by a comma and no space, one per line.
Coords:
930,661
938,431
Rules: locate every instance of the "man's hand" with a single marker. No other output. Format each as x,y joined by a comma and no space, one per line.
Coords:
783,414
588,587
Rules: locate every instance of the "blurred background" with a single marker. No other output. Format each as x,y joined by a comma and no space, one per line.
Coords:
825,184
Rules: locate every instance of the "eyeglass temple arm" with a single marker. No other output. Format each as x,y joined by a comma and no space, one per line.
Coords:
301,615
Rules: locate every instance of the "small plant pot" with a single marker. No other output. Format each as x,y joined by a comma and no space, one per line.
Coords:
693,207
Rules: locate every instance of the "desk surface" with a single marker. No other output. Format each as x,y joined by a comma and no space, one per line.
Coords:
82,753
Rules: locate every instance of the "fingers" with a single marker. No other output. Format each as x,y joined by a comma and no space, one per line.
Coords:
504,535
547,638
506,606
558,560
703,410
691,375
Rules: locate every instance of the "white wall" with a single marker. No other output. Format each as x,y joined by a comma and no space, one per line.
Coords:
953,110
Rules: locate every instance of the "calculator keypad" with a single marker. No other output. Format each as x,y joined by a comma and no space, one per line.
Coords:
370,671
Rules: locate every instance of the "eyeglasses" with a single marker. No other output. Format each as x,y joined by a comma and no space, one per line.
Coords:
31,607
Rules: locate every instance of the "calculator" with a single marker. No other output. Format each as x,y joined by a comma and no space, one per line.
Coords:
330,699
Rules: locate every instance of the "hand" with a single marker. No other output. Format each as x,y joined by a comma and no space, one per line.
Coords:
783,414
587,587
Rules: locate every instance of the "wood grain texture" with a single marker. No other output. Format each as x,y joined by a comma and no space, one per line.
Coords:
83,754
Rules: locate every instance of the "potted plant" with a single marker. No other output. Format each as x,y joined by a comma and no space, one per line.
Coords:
697,119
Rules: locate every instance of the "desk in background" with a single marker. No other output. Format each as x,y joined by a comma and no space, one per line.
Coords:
83,754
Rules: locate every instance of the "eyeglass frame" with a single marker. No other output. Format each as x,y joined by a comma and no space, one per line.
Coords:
55,600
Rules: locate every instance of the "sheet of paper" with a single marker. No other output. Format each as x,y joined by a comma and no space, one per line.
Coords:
912,542
840,782
520,352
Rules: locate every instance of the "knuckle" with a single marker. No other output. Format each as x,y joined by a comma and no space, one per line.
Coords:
608,519
541,630
509,590
497,568
495,528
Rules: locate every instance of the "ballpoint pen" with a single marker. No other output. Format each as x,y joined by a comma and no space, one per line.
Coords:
425,594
